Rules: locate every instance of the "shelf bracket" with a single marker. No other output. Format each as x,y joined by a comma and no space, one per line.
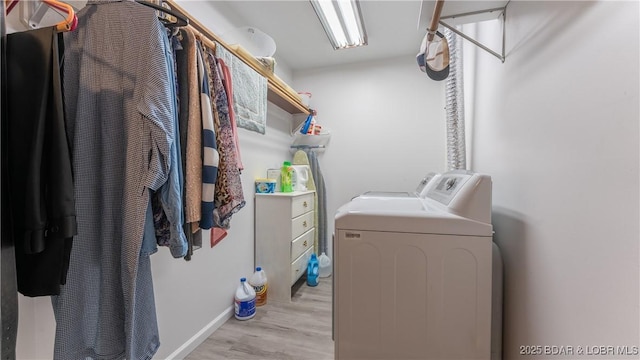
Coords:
502,16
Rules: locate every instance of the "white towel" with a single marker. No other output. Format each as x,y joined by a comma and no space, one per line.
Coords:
249,92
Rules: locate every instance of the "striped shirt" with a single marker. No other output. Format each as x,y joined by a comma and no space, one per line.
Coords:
210,158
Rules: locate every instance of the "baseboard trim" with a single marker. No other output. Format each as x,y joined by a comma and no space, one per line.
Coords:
201,335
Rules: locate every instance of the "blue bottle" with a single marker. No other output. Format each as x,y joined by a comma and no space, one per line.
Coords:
312,270
307,123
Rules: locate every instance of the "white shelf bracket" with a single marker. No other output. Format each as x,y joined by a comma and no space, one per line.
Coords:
502,16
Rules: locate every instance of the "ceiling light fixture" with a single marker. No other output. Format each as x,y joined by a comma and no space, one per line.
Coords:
342,21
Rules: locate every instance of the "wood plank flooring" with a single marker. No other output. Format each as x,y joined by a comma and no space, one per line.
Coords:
298,330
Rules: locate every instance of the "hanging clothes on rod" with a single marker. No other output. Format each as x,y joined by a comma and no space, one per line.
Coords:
167,202
190,123
229,197
211,156
228,87
221,165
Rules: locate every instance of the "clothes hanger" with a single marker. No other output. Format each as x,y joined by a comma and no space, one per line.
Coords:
10,4
181,20
68,24
71,21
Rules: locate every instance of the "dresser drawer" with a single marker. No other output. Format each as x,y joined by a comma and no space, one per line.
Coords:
285,236
301,224
301,244
299,266
301,205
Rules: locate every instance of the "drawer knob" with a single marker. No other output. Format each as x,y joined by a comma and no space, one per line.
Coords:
305,204
304,243
304,223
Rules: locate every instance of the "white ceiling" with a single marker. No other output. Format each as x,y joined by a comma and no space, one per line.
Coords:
301,43
392,29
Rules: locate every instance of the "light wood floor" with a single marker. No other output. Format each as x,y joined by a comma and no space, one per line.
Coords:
299,330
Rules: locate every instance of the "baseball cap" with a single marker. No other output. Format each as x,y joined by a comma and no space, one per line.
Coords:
433,57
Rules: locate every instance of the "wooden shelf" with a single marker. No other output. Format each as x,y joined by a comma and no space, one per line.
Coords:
278,91
282,100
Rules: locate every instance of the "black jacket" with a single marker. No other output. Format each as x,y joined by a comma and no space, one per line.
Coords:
40,173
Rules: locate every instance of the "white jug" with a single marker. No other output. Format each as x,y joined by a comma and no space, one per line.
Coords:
325,265
300,177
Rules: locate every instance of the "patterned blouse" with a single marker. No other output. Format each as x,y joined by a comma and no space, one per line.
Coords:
229,197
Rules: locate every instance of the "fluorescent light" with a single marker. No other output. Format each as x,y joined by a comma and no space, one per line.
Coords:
333,23
350,21
342,22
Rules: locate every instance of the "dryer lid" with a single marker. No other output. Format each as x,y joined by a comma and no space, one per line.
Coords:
406,215
459,202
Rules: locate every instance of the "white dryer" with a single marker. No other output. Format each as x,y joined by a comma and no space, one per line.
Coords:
423,187
413,277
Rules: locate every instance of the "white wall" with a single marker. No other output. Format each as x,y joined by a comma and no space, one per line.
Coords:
556,126
192,298
387,124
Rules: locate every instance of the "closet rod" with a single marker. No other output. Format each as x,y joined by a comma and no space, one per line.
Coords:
433,27
202,38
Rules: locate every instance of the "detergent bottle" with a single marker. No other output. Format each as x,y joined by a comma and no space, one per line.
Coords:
312,270
285,177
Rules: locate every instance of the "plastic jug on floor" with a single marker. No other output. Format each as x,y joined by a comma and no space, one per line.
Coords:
312,270
325,265
245,301
259,282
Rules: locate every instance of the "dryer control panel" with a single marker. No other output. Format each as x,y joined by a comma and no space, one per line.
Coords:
448,186
464,193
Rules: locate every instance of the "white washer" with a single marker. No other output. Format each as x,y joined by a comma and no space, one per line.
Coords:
413,277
